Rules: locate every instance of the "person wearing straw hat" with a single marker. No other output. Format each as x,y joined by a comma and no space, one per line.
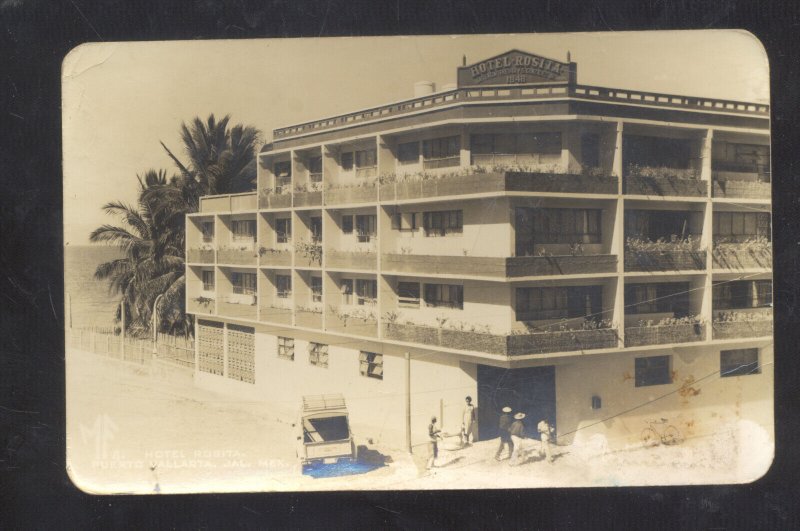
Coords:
434,436
505,437
517,432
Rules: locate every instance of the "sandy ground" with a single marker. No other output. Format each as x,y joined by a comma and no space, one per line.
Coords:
133,429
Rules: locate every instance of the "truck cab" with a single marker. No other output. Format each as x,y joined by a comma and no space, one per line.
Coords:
323,431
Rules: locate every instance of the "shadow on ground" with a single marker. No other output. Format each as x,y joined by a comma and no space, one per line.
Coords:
368,460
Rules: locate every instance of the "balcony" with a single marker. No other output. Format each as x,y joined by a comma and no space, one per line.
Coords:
645,180
268,198
358,260
276,314
680,255
237,256
740,324
228,203
347,195
274,257
741,181
305,198
360,322
308,317
475,181
200,256
201,305
498,267
237,307
664,334
746,255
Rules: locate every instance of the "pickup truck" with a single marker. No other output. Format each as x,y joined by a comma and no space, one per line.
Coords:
323,431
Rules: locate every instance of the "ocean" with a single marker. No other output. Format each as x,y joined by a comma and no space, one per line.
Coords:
92,304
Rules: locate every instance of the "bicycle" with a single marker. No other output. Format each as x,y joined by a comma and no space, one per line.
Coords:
652,436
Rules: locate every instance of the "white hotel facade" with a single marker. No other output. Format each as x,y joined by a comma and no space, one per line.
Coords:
595,256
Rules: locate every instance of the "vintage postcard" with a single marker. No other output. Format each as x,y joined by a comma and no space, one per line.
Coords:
450,262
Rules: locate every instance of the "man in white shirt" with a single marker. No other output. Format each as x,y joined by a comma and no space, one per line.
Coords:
545,432
468,423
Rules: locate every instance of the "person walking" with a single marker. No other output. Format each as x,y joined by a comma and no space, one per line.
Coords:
545,433
517,433
505,437
468,423
434,436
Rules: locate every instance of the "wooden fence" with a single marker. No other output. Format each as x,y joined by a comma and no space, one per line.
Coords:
172,349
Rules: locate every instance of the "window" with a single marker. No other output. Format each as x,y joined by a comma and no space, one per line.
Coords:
367,158
283,230
347,224
739,362
371,365
444,296
208,281
366,292
557,225
208,231
316,229
742,294
408,294
655,224
286,348
283,176
516,144
347,290
653,370
316,289
346,161
738,226
244,283
443,223
318,355
441,152
315,169
283,286
408,153
366,226
672,297
563,302
404,221
244,230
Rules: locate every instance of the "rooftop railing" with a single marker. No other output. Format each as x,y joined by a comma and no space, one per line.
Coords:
547,91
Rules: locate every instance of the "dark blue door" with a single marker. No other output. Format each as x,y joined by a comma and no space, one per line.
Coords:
530,390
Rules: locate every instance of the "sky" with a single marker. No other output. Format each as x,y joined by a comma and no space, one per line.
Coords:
120,99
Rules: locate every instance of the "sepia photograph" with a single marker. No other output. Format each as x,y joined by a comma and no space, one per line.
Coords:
416,263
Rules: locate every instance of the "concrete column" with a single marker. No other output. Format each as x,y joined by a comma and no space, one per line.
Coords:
386,157
466,153
706,242
706,157
617,162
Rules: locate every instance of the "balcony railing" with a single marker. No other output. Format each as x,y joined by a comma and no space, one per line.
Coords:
366,172
507,345
741,256
637,336
357,322
308,198
498,267
359,260
475,181
275,314
201,305
344,195
741,329
308,318
274,257
228,202
546,91
664,256
268,198
740,188
664,182
446,162
239,309
233,256
200,256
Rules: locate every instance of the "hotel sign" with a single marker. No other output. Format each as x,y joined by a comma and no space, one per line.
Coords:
513,68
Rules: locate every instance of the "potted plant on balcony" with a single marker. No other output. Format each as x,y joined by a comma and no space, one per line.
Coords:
733,324
310,250
661,180
675,253
754,252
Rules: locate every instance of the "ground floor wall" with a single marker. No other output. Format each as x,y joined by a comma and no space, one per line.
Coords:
596,397
698,400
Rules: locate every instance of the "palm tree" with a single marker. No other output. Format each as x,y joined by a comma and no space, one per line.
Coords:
221,160
152,261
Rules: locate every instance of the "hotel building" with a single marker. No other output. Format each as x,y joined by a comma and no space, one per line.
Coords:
591,255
